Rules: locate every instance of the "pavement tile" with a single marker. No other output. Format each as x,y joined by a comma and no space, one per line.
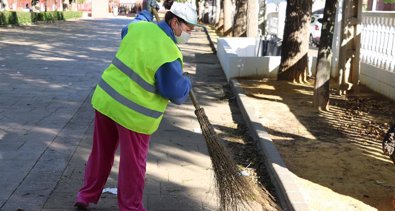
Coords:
175,202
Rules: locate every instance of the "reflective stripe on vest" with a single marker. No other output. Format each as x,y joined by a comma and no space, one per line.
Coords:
133,75
124,101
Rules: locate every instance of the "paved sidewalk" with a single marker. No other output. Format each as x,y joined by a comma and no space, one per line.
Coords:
47,76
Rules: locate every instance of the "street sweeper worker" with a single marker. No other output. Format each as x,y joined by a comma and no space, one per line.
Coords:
130,100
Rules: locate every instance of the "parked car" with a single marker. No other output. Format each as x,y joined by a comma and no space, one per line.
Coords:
315,29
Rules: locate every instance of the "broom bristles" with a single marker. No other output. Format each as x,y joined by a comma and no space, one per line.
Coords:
234,190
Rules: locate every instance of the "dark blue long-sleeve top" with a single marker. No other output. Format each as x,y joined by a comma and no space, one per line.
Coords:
170,82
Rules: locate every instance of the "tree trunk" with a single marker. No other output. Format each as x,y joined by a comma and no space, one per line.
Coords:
295,42
227,17
217,11
239,27
322,79
200,6
350,35
252,18
220,25
261,16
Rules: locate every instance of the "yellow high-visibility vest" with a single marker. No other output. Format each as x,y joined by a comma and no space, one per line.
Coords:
126,92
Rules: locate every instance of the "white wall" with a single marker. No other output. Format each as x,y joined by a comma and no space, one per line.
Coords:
378,80
237,56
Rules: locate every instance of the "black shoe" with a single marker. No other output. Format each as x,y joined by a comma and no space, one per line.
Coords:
81,205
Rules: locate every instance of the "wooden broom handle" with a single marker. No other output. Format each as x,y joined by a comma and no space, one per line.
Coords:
192,95
155,12
194,100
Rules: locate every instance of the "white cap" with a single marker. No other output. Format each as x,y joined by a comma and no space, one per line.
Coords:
186,11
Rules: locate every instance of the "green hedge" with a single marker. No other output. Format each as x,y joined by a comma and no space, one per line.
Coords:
71,15
25,18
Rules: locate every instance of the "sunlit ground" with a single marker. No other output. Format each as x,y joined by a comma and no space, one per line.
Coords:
336,155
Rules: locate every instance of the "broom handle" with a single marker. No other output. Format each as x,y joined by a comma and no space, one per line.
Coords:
192,94
194,100
156,14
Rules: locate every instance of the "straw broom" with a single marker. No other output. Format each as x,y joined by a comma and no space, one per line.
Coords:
234,190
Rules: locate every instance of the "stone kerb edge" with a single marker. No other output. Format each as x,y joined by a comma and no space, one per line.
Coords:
288,192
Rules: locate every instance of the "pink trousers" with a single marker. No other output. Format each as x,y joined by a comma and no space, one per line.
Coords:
133,156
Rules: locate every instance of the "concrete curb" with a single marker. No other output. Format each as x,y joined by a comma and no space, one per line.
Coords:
212,45
209,39
288,192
